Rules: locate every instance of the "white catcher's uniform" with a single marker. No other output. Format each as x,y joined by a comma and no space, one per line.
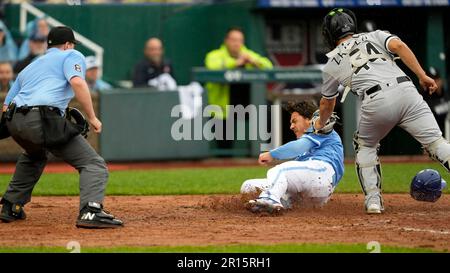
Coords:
389,98
311,177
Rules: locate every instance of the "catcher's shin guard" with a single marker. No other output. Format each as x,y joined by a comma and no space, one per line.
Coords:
368,169
439,151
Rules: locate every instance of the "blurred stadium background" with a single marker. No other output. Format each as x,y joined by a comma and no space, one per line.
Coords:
137,121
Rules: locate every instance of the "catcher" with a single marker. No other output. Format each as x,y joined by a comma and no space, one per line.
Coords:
365,64
315,168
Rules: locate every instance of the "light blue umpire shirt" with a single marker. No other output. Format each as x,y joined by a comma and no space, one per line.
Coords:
46,80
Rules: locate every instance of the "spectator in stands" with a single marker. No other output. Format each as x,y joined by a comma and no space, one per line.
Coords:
39,27
38,46
8,49
232,54
439,100
153,65
6,76
94,83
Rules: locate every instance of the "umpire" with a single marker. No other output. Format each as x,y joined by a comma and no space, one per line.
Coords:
35,117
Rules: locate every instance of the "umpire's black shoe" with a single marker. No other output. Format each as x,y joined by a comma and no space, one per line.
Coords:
11,212
93,216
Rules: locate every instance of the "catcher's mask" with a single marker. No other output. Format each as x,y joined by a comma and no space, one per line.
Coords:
76,117
338,23
427,186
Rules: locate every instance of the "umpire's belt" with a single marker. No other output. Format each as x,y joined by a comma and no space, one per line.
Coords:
25,109
378,87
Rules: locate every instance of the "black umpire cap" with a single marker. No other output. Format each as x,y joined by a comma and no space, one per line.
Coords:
61,35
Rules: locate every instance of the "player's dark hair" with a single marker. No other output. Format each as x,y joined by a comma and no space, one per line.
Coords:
234,28
304,108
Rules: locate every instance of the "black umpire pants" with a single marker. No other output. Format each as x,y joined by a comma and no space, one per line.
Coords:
26,130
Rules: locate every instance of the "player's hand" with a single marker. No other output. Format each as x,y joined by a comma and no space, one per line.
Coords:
265,158
96,124
317,124
428,84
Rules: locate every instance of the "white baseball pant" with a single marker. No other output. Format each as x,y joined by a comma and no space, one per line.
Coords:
311,181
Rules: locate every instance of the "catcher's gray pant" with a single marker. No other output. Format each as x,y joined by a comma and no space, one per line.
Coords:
26,130
398,104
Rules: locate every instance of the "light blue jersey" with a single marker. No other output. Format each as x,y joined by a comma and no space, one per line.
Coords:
327,148
46,80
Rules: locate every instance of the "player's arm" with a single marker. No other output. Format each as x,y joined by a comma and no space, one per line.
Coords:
74,71
287,151
330,92
409,59
13,91
326,109
83,96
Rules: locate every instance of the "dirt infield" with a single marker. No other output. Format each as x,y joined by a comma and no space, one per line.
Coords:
221,219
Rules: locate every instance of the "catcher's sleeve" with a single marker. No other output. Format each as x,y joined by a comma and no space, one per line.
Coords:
330,86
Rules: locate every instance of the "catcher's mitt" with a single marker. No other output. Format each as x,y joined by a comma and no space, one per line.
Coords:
329,125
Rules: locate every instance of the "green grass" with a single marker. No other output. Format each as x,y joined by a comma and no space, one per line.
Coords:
278,248
397,178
